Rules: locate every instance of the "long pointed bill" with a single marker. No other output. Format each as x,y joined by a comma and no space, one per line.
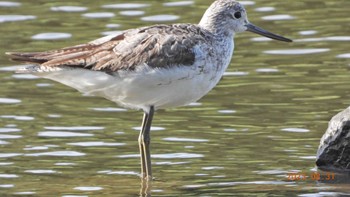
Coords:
263,32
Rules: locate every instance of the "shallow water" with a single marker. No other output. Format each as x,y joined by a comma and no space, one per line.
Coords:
263,121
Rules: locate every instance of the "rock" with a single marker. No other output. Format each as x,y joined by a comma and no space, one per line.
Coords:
333,154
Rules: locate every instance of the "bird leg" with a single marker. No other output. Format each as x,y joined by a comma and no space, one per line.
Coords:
144,144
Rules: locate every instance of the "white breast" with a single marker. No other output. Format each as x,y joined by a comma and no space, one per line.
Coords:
146,86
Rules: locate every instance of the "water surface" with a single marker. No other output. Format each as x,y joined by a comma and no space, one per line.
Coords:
263,121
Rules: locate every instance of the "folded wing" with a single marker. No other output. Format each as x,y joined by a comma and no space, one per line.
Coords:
156,46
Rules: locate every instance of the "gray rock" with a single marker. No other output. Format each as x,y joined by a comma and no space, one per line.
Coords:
333,154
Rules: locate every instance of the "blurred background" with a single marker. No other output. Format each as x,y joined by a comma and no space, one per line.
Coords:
263,121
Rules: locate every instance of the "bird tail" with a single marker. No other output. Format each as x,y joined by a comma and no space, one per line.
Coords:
26,57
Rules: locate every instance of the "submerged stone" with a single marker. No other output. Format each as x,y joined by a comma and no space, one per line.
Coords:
333,153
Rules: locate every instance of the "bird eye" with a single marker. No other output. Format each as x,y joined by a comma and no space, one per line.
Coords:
237,15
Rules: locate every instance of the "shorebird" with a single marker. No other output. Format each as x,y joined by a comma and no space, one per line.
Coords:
150,68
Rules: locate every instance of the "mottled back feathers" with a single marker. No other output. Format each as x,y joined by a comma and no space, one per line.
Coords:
157,46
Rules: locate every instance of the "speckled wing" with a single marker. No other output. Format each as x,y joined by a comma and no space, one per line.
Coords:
156,46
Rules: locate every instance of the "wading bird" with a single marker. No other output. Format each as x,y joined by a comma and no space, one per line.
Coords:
150,68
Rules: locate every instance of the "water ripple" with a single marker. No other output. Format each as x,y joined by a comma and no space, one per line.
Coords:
345,55
8,176
296,130
118,172
178,3
11,68
247,2
237,73
132,13
323,194
260,39
78,128
109,109
295,51
99,15
95,144
36,148
64,164
69,9
308,32
57,154
113,26
332,38
177,156
201,174
230,130
226,111
6,155
195,104
278,17
177,139
13,18
41,171
265,9
126,6
170,163
167,156
194,186
24,193
24,76
267,70
152,128
160,18
26,118
5,163
9,101
311,157
74,196
4,136
2,142
107,33
249,183
9,130
88,188
212,168
7,186
9,4
63,134
54,116
51,36
272,172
